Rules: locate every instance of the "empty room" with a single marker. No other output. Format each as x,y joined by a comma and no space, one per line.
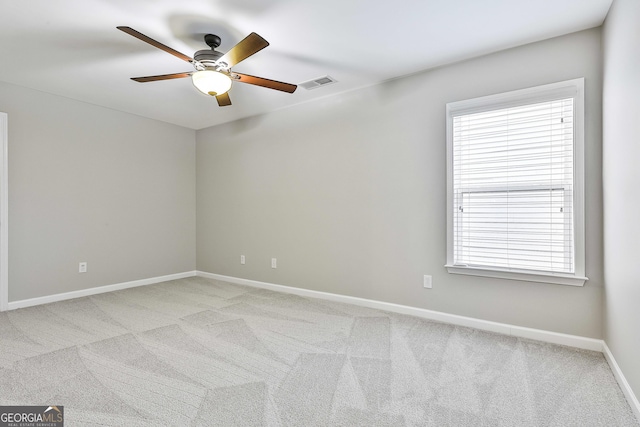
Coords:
337,213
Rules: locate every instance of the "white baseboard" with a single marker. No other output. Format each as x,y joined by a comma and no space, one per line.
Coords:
622,381
454,319
98,290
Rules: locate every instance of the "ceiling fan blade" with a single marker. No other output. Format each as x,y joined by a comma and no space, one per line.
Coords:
162,77
154,43
260,81
245,48
223,100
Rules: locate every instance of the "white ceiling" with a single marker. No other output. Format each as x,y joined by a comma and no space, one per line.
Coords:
72,47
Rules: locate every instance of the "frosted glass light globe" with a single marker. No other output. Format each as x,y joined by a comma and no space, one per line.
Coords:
211,82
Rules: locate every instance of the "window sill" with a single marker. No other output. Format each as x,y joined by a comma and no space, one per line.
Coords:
527,276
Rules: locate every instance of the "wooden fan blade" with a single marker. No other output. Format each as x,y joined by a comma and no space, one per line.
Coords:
223,100
162,77
248,46
154,43
260,81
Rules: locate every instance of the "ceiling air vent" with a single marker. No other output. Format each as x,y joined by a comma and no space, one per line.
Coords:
316,83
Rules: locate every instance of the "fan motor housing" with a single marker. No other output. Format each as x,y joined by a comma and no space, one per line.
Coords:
207,57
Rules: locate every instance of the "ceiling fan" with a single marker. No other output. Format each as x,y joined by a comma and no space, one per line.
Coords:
213,75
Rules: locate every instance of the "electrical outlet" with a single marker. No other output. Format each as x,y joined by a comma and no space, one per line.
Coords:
82,267
242,260
274,263
427,282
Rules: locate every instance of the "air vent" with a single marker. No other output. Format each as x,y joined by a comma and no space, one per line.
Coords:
316,83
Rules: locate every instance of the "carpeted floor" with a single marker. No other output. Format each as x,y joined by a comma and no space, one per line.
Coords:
206,353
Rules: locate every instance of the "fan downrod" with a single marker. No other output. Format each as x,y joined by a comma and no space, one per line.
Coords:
212,40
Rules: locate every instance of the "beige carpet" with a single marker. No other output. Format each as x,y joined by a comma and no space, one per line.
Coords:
206,353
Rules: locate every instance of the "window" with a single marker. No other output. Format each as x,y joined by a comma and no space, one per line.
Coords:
515,205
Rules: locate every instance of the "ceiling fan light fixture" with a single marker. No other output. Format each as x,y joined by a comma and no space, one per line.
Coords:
211,82
213,69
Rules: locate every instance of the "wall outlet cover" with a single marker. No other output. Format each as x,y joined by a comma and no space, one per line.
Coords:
427,283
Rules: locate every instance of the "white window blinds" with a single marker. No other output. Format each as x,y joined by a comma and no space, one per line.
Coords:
513,183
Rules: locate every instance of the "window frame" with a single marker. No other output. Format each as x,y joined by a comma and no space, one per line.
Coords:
570,88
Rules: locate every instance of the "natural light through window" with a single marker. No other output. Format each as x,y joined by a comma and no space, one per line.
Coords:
512,185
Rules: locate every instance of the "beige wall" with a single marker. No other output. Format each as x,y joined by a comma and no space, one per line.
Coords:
91,184
621,173
348,192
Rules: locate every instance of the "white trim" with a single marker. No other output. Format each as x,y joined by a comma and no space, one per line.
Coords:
526,276
4,212
97,290
579,166
622,381
514,98
454,319
569,88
